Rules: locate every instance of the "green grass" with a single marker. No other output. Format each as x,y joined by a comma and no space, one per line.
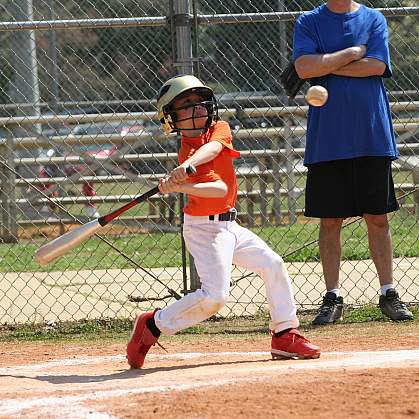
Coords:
164,249
84,330
119,329
292,242
366,314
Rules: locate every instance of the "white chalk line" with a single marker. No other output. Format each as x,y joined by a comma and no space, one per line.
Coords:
90,360
17,405
68,412
380,359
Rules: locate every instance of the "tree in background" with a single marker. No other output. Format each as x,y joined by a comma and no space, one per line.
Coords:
130,63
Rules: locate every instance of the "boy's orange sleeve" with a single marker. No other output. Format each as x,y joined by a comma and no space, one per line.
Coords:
204,178
222,134
204,173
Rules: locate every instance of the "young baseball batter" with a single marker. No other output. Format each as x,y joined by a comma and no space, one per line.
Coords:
211,234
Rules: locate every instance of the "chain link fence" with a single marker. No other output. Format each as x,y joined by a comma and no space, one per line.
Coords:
79,138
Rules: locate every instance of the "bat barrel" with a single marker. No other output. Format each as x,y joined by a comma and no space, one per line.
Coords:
63,244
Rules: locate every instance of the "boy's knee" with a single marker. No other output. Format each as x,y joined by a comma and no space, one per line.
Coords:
273,262
278,261
214,301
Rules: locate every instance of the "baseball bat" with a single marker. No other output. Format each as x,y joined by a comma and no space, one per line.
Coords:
63,244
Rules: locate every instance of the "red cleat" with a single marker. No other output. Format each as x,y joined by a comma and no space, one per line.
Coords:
141,340
292,344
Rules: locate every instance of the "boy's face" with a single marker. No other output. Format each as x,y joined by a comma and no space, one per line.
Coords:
191,115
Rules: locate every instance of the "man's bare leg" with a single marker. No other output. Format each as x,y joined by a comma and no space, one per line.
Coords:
330,250
330,253
381,247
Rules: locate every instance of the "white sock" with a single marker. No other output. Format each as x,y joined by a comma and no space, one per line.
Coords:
385,288
335,291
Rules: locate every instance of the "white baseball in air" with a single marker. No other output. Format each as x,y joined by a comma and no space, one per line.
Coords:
316,96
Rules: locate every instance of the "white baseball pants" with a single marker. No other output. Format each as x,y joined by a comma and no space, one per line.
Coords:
215,246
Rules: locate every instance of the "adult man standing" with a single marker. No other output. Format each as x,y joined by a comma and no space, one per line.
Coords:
343,46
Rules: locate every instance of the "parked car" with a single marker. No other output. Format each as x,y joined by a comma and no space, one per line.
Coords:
63,128
235,124
97,128
96,150
153,146
262,122
133,127
153,127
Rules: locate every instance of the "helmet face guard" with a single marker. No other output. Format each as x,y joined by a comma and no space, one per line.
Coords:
177,88
171,115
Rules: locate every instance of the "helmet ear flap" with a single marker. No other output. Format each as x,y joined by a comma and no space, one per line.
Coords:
167,124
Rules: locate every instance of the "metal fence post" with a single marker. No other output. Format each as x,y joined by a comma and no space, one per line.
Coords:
276,173
415,177
289,167
184,65
53,57
8,194
24,88
183,33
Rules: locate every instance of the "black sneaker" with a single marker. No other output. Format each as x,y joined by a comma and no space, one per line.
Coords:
330,311
393,307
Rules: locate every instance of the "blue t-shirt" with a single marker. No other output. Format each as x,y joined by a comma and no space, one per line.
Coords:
356,120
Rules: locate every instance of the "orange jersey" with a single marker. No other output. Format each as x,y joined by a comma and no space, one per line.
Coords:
219,168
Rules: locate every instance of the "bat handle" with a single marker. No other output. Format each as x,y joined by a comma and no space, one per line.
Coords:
106,219
191,170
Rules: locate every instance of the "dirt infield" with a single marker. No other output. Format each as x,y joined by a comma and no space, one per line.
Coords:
357,376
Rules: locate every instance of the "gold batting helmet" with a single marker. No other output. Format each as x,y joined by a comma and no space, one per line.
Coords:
177,86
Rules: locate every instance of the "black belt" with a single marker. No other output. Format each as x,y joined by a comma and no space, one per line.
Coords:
226,216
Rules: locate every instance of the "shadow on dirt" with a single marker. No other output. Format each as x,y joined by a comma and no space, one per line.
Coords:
125,374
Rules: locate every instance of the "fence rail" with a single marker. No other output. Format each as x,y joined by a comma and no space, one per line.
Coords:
163,21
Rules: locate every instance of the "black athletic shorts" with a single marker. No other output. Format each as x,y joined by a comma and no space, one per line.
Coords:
349,188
